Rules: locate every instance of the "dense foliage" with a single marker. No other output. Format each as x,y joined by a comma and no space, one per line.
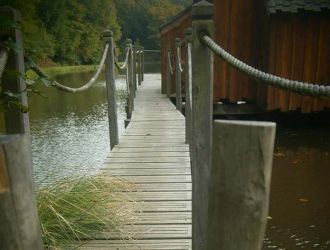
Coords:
69,31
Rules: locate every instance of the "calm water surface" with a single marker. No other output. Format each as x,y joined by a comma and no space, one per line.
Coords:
70,137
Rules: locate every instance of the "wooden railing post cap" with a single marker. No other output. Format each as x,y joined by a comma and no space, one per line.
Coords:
189,31
202,10
270,125
107,35
128,41
177,41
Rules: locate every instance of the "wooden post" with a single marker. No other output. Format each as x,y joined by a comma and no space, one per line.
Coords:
142,64
111,88
19,226
178,76
139,66
188,76
134,69
202,112
168,72
240,184
130,80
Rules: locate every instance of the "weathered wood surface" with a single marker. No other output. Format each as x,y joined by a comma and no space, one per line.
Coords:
111,88
202,115
240,184
19,224
153,156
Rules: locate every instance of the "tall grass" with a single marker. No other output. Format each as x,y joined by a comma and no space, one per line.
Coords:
76,210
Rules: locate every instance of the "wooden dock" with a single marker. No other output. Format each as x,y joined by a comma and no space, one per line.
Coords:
152,154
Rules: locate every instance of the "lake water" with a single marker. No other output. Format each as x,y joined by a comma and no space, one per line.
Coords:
70,137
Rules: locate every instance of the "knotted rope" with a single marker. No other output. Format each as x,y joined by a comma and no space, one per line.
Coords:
59,86
278,82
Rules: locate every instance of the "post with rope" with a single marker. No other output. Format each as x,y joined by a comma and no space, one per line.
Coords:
20,226
134,69
178,98
202,116
111,88
129,71
168,72
188,76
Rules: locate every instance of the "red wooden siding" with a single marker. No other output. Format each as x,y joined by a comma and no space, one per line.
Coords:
292,46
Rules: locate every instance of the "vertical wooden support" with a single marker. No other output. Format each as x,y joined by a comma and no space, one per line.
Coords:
134,69
240,184
202,112
15,120
188,76
130,79
142,64
111,88
139,66
19,226
168,72
178,75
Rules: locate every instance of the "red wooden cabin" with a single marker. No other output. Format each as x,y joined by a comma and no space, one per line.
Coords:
288,38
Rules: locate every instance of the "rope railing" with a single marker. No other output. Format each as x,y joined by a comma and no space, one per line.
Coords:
302,88
169,62
152,50
179,58
3,61
124,66
62,87
189,73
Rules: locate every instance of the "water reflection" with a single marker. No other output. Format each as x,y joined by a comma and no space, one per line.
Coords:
70,132
300,195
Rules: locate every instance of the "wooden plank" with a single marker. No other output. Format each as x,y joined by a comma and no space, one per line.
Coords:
158,196
152,140
310,66
152,149
164,244
164,206
154,179
153,137
156,145
297,57
146,165
148,154
163,187
148,159
149,172
179,231
163,218
157,132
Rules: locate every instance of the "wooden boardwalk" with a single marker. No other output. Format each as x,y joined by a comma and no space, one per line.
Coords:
153,155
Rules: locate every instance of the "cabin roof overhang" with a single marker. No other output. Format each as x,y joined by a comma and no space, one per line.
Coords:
297,6
173,22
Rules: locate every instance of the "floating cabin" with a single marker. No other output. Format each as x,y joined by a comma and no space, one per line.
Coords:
287,38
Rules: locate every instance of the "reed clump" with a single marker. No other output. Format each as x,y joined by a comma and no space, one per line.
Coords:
78,210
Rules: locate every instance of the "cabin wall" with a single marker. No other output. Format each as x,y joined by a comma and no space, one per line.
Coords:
237,30
298,50
168,36
292,46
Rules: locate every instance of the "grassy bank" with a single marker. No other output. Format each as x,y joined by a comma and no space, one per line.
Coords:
62,70
79,209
